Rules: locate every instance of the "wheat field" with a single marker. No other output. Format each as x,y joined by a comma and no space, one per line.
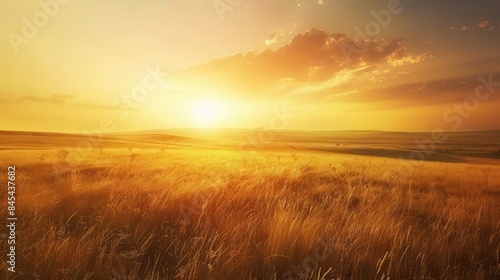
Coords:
132,213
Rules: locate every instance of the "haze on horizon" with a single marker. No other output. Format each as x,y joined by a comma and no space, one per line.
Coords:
73,66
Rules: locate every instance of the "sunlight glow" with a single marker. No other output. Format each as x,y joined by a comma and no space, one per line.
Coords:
208,112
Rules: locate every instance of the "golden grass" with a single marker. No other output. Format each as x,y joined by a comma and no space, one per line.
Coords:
213,214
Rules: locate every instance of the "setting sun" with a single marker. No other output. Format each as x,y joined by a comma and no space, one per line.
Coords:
208,112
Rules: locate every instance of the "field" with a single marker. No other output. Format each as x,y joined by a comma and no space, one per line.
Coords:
192,206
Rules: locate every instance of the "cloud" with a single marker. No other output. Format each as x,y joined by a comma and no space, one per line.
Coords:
485,24
408,59
310,63
438,91
273,39
54,98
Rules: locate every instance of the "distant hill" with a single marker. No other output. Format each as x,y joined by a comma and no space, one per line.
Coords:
460,146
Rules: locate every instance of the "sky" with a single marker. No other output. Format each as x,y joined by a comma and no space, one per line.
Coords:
123,65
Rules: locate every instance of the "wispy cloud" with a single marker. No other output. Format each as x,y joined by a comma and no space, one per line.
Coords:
419,93
486,24
53,98
409,59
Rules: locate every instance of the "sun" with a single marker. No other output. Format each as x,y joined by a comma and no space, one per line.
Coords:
207,112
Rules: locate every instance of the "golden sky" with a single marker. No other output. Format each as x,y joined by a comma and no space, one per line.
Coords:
82,65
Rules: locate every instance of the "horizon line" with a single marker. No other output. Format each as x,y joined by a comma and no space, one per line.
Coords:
149,131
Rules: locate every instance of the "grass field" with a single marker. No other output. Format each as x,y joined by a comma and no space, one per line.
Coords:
172,207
